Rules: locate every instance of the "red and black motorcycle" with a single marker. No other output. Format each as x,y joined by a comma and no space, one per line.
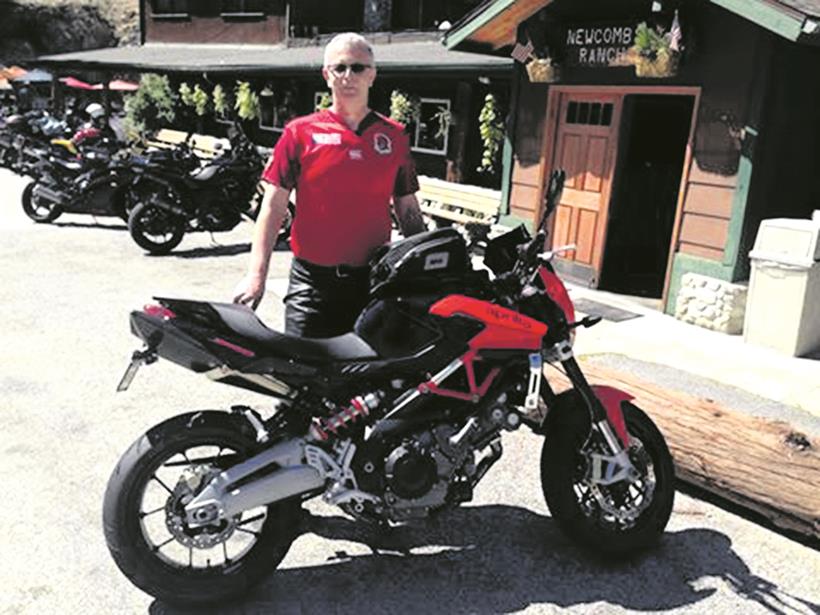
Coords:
393,422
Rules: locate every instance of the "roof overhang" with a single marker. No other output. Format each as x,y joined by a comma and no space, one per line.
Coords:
492,25
402,57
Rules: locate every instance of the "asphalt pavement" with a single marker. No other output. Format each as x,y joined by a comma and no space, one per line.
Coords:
66,290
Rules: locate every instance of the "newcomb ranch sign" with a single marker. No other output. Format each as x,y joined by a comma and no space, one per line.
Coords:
598,45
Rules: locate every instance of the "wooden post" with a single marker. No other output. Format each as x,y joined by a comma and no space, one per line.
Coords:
456,157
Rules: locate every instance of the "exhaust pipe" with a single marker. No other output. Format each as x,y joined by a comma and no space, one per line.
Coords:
43,192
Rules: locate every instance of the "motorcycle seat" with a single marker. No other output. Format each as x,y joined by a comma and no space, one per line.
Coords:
205,173
244,322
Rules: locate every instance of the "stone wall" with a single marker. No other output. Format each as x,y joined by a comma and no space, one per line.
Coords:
30,28
711,303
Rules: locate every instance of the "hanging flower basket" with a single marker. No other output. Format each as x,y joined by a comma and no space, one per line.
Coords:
542,70
664,64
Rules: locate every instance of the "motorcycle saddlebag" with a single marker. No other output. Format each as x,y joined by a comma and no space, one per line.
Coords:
426,257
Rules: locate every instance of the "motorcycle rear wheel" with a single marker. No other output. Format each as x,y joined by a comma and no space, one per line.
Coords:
155,229
38,209
156,549
575,502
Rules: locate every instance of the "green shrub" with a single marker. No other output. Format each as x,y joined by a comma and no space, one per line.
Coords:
150,107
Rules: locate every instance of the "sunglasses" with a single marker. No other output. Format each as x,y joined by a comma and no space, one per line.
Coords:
341,69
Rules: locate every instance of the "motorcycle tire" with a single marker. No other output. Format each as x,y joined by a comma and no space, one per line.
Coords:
35,210
573,503
128,526
154,229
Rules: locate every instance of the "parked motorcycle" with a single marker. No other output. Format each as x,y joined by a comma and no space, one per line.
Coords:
91,174
394,422
213,197
95,183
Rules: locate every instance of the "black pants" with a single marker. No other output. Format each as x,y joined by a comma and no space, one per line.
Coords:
324,301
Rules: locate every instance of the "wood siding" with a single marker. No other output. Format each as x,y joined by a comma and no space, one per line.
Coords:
527,169
214,29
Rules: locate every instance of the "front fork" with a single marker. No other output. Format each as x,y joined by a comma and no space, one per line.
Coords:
607,418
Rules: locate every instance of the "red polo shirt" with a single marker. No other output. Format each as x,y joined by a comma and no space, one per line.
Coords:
344,180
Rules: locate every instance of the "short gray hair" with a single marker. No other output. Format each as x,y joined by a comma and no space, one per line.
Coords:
348,39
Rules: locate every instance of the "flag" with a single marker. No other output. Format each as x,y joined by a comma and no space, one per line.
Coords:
521,52
675,34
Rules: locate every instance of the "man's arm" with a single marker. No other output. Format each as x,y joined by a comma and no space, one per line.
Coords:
272,212
409,215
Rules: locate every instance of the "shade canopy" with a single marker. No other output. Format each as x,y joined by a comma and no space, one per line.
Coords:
73,82
123,86
34,76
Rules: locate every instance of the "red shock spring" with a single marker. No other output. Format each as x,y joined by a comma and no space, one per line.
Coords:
359,408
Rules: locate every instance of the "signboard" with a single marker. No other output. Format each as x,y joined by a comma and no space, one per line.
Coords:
598,45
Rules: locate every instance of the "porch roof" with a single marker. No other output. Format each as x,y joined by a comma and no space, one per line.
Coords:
398,57
492,25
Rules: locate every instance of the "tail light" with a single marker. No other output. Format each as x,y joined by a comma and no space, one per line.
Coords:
158,311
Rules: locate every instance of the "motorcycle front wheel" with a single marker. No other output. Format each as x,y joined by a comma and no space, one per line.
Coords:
155,229
144,521
615,519
38,209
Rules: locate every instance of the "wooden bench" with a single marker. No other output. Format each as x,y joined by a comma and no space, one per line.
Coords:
474,208
204,146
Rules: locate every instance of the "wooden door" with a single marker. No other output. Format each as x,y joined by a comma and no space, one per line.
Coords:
586,144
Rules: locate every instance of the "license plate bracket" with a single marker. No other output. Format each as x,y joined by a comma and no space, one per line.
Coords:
138,359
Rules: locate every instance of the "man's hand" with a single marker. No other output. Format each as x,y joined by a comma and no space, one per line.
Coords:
272,212
249,291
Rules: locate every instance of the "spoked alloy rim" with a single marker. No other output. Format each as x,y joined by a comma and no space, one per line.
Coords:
175,479
156,224
618,506
42,208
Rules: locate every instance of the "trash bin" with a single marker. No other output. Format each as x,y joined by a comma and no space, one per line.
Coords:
783,305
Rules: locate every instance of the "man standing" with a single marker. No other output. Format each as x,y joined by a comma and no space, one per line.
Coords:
345,164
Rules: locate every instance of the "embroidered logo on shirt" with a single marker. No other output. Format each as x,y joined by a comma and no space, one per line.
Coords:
356,154
382,143
327,138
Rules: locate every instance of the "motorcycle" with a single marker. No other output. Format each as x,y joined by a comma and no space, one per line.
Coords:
394,422
95,182
170,202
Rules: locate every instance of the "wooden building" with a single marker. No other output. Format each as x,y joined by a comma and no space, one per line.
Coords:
676,145
277,46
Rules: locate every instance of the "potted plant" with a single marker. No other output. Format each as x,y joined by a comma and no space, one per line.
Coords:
655,54
542,70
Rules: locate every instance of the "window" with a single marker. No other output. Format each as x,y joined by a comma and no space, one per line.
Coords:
591,114
428,14
276,109
243,8
431,132
169,8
